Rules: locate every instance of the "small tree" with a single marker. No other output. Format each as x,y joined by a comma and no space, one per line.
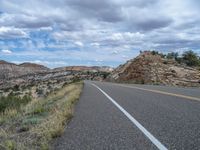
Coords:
190,58
172,55
16,88
40,91
154,52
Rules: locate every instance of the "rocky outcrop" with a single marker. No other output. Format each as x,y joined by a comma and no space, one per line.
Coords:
152,69
10,70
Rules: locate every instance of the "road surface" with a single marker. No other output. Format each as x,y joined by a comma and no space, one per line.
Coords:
117,116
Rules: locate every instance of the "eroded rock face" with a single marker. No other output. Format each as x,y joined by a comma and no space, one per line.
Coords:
10,70
152,69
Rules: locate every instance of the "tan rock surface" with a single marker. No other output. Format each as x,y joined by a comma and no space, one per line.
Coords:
152,69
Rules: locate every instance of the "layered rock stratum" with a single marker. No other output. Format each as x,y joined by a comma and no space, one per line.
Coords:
9,70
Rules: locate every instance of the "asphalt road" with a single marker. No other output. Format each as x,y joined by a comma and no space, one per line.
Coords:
115,116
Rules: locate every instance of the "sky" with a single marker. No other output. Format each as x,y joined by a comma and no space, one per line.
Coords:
95,32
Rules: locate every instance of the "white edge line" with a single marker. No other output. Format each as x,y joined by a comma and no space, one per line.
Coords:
156,142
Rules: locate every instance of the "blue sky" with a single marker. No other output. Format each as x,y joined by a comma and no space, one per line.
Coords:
92,32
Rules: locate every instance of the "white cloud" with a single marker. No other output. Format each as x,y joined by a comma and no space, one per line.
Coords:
115,52
126,36
78,43
95,44
11,32
6,51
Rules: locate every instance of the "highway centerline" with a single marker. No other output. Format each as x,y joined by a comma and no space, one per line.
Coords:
155,141
162,92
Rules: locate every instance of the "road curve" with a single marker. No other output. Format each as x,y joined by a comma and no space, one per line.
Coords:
117,116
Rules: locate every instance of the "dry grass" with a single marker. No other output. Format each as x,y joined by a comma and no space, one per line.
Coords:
8,114
40,120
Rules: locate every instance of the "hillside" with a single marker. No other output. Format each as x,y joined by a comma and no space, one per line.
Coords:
29,73
10,70
153,69
34,67
85,68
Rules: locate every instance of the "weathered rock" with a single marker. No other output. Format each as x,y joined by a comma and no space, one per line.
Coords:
152,69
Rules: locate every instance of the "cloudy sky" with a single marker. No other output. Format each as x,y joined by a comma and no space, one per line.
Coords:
95,32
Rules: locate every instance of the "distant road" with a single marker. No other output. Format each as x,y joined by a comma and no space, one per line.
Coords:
127,117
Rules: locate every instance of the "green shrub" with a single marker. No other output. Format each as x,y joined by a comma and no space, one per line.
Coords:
12,101
39,109
10,145
172,55
32,120
16,88
190,58
40,91
154,52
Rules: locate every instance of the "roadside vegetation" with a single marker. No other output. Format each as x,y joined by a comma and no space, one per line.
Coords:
188,58
28,123
13,102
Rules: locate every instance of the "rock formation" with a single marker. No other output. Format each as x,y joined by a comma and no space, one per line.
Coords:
153,69
10,70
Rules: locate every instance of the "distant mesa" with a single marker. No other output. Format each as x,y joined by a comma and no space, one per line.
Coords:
34,66
5,62
10,70
85,68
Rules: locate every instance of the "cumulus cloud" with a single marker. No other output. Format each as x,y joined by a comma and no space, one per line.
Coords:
126,36
6,51
11,32
95,44
153,23
103,10
78,43
115,52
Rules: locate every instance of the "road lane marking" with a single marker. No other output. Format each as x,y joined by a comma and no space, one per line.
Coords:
156,142
162,92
